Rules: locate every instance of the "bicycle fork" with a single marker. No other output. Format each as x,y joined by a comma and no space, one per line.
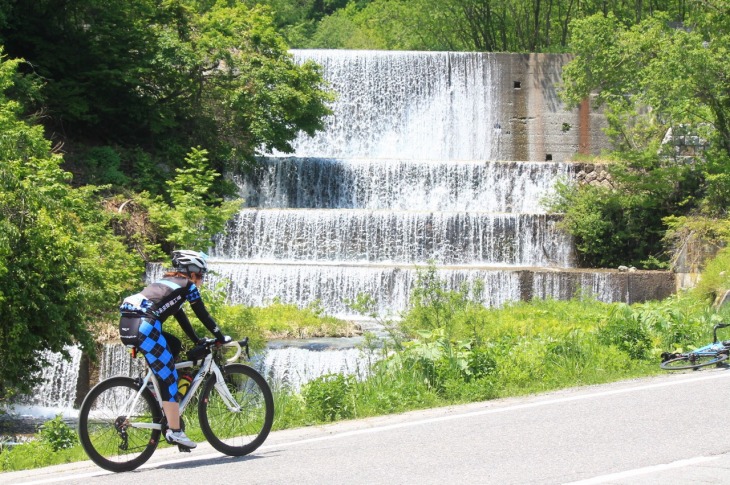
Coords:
224,392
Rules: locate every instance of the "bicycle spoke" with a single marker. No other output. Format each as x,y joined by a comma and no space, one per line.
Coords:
106,425
237,432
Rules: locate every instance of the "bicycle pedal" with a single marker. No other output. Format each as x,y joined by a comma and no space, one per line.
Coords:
183,449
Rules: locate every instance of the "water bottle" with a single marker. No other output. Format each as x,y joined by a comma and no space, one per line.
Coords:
184,384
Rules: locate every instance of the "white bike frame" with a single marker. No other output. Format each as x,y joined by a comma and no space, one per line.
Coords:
207,367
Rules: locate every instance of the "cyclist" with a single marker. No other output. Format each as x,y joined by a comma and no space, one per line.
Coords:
141,326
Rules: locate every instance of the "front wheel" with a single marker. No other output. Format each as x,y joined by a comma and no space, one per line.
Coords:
692,361
116,437
236,432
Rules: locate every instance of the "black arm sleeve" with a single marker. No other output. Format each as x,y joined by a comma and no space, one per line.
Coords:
185,324
202,313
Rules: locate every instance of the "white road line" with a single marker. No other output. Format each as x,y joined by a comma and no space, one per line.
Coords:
643,471
379,429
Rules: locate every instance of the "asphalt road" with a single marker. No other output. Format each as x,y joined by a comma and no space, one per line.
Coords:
669,429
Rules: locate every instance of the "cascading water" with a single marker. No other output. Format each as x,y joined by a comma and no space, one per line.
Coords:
403,175
116,360
359,235
449,185
56,394
407,105
331,285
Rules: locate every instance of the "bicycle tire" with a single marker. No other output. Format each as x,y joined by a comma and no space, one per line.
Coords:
108,446
237,433
688,361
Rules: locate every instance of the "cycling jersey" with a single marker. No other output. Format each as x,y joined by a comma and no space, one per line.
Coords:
166,297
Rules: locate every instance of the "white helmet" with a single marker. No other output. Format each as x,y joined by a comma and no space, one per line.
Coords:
190,261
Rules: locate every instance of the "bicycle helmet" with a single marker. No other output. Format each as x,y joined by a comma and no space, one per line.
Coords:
190,261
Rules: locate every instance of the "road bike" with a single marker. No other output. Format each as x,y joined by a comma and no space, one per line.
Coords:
121,419
710,354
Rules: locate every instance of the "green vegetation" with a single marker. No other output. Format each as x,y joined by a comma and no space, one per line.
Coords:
665,94
453,25
54,443
126,89
117,121
471,353
59,264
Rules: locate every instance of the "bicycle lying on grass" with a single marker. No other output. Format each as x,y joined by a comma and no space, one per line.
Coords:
121,419
710,354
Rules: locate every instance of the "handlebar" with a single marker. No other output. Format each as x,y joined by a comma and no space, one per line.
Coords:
715,328
211,343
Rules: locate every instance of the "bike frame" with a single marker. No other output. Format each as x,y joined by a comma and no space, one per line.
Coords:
207,367
715,347
708,350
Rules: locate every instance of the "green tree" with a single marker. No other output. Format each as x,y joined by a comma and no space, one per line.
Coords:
472,25
163,77
681,74
195,214
60,267
660,84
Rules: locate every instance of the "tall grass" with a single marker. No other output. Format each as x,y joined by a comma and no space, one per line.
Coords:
452,349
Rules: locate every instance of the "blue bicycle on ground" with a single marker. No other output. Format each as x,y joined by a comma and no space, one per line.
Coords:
710,354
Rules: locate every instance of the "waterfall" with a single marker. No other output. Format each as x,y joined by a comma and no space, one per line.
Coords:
449,185
358,235
331,285
416,166
409,105
292,367
406,173
56,394
428,158
116,360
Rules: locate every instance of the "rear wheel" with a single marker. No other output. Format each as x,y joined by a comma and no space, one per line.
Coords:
236,432
692,361
108,434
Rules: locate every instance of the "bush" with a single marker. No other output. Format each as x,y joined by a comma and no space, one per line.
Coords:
57,434
624,329
54,443
329,397
715,279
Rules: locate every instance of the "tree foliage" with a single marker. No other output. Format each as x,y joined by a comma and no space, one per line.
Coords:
462,25
163,77
59,265
195,214
665,89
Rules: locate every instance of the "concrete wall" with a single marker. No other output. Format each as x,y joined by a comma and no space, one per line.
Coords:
627,287
536,125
